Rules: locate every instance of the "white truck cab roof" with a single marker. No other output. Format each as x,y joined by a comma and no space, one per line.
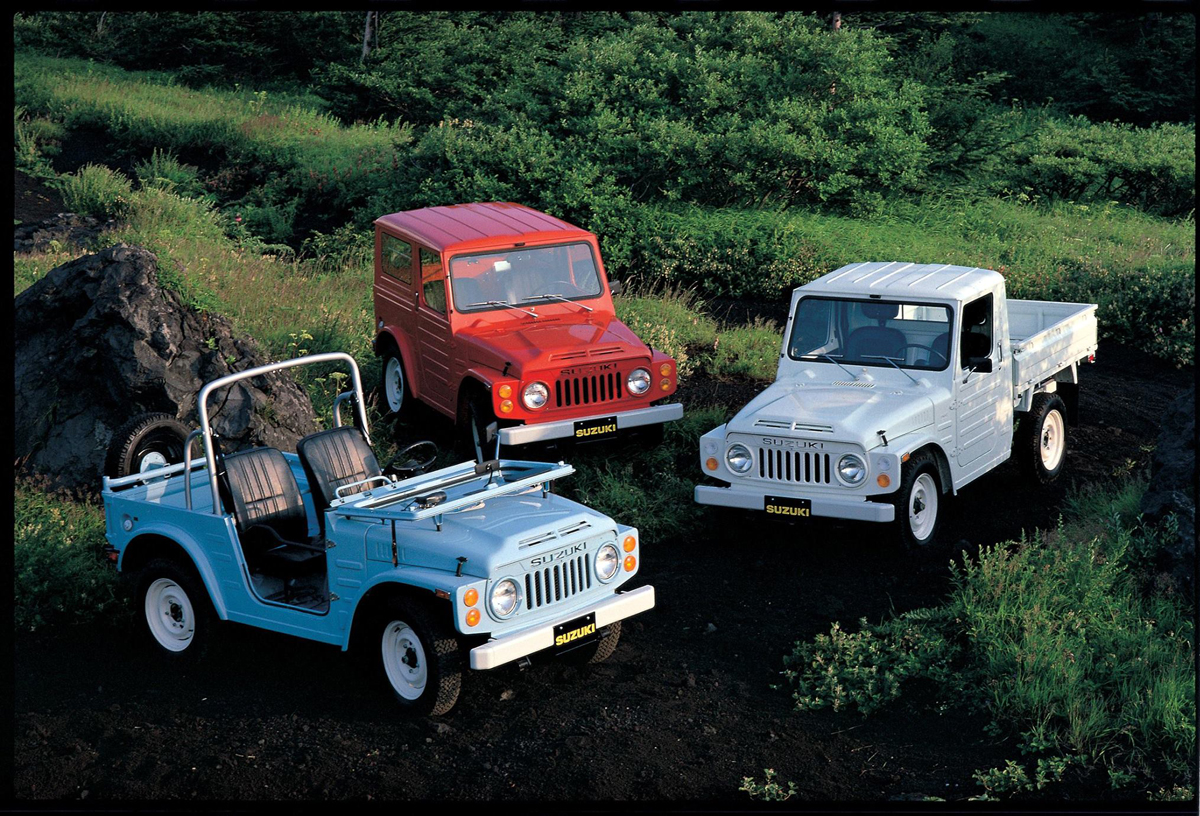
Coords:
899,279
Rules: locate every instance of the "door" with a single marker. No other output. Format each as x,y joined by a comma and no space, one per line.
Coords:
434,339
983,399
395,293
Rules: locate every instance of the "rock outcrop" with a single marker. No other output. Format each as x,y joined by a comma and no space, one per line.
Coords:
97,341
67,229
1172,492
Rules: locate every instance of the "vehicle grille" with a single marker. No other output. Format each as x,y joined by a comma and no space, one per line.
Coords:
801,467
558,582
588,390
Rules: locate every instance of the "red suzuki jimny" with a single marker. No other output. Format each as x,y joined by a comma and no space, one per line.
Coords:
496,311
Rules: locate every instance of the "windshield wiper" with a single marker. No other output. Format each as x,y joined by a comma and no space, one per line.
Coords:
503,303
557,297
893,364
830,359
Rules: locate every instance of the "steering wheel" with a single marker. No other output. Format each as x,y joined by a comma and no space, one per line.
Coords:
564,288
930,349
410,465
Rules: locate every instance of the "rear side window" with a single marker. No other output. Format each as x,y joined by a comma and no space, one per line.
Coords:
396,258
433,281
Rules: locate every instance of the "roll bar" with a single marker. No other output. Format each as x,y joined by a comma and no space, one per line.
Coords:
229,379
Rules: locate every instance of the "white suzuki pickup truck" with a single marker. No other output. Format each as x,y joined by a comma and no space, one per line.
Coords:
899,384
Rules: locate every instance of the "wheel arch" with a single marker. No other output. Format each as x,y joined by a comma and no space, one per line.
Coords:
149,545
945,479
388,339
419,591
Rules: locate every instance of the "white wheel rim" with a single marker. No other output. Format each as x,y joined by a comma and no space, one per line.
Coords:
394,384
923,507
1053,440
169,615
404,660
151,460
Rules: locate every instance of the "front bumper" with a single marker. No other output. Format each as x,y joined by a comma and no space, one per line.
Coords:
753,499
512,647
545,431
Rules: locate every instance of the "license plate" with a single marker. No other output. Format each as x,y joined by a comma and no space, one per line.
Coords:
786,507
598,428
575,633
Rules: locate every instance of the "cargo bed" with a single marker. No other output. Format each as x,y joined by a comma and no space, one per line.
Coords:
1047,337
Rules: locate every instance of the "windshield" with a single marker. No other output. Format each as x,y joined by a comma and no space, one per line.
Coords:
884,333
524,276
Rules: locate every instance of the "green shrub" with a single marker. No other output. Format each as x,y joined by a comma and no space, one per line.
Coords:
748,351
670,320
59,574
96,190
769,790
165,171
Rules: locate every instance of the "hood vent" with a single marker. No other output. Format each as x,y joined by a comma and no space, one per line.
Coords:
569,355
551,535
602,351
779,425
855,384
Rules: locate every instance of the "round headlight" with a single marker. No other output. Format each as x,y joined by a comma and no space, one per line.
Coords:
535,395
505,597
851,469
638,381
607,562
739,458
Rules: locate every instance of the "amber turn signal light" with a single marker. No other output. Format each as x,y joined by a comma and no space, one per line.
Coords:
629,543
471,596
630,563
473,617
506,391
665,384
882,480
664,369
506,406
710,463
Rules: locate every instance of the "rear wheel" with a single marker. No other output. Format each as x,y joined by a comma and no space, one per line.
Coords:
419,657
393,387
146,442
174,610
1041,443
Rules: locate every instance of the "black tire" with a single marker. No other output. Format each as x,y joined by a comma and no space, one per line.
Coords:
599,651
418,655
1041,439
920,492
144,441
174,613
395,398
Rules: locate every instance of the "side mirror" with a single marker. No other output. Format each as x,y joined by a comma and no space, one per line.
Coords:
616,287
493,430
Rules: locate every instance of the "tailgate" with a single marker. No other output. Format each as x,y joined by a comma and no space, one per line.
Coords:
1047,337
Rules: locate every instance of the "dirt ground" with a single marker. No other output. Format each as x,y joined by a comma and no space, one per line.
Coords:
691,702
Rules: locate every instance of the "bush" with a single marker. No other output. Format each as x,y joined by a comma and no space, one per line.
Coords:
96,190
59,574
669,320
165,171
748,351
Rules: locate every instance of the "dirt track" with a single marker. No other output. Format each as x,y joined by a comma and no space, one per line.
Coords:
684,709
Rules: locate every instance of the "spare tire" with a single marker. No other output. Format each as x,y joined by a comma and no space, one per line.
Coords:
144,442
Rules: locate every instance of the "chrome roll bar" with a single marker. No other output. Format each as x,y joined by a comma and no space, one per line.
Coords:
229,379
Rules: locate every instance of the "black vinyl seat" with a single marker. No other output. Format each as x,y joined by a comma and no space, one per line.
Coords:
269,512
878,340
333,459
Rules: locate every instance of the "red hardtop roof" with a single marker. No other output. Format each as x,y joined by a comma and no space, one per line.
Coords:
460,226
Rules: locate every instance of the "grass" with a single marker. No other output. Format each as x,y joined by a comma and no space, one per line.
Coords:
1054,638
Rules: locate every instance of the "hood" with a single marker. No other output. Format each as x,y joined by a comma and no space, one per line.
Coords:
507,529
551,342
839,413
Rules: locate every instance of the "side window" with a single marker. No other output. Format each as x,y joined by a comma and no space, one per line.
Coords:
433,281
396,258
975,339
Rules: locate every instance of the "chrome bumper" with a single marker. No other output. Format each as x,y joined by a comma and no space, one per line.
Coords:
512,647
855,509
544,431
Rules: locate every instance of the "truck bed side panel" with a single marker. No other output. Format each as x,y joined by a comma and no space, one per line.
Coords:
1047,337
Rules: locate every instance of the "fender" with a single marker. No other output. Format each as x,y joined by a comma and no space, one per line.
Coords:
407,355
194,551
913,443
430,580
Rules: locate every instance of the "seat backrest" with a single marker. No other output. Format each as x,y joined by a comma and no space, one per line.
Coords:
263,490
940,344
876,340
974,345
334,458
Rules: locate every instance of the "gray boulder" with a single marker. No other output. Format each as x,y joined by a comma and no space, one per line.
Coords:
97,341
1172,491
68,229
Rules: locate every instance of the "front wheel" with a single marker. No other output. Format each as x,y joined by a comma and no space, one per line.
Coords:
918,504
1041,443
176,617
599,651
420,657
